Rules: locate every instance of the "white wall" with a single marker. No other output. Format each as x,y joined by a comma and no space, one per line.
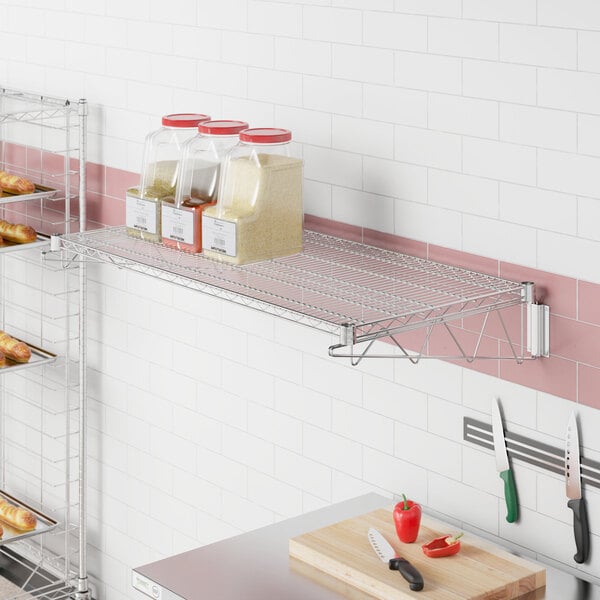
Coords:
210,419
471,124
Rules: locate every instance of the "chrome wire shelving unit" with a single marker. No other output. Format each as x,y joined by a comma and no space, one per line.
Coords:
359,292
42,403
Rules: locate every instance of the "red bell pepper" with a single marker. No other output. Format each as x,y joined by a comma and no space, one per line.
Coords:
446,545
407,519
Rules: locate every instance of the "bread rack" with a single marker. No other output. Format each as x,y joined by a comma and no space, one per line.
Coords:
42,403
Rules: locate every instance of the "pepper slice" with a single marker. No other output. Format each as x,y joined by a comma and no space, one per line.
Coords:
440,546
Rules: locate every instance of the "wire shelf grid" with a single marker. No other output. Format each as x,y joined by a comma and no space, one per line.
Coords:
333,283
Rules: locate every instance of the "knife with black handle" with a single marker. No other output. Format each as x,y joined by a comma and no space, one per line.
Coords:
581,529
387,554
576,502
409,572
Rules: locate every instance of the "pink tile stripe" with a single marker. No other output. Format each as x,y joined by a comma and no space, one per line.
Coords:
575,340
394,242
96,178
589,302
572,371
348,232
557,291
556,376
104,209
117,182
588,386
489,266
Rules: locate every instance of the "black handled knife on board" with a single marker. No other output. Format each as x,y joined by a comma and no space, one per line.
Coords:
576,501
383,549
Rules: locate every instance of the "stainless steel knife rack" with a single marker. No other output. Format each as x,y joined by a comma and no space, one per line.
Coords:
530,451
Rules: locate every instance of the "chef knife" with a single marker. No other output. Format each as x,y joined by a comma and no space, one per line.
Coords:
387,554
502,465
573,480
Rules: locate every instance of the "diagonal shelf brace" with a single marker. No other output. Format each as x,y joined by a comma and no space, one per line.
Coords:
537,332
348,340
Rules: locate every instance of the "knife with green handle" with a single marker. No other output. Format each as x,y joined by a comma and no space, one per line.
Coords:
502,464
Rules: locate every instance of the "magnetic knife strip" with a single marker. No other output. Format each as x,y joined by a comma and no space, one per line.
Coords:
529,451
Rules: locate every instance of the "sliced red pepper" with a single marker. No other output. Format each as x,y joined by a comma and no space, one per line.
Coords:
407,519
441,546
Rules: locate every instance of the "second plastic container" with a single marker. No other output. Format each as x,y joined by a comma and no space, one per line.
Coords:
198,183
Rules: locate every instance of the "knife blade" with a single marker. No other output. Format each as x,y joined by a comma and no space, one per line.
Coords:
573,482
502,464
387,554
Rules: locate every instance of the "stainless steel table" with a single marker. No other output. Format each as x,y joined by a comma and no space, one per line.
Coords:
256,566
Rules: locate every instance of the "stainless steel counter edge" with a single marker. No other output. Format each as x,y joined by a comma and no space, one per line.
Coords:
256,565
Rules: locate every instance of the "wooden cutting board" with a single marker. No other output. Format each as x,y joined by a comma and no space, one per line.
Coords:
480,571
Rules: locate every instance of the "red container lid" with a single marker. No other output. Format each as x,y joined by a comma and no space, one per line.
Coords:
266,135
222,127
184,120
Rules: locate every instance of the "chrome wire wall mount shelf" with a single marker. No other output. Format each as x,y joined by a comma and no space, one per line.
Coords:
359,292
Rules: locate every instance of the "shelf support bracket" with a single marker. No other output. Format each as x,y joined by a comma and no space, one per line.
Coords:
536,331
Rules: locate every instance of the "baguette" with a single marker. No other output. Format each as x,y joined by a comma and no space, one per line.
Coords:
21,234
2,364
16,516
14,349
13,184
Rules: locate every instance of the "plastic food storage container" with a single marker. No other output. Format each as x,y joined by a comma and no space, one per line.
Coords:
162,151
259,212
198,183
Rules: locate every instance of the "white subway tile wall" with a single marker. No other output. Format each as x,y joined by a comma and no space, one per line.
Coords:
469,124
269,426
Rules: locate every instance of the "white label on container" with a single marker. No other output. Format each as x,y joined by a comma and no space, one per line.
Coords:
219,235
140,214
177,224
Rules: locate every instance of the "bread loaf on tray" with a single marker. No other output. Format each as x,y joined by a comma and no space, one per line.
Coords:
14,349
2,360
21,234
16,516
15,184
